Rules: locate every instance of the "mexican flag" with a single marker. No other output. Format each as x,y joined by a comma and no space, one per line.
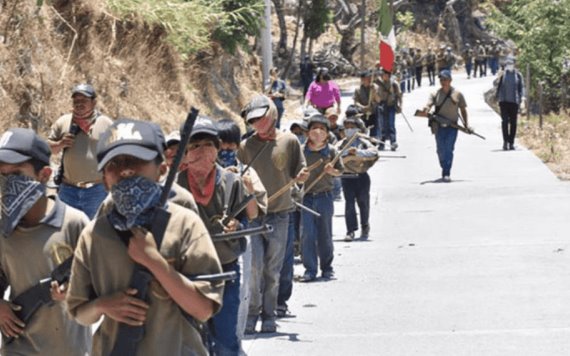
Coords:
387,37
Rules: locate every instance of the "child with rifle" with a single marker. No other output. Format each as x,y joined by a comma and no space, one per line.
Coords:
117,247
316,241
218,193
39,233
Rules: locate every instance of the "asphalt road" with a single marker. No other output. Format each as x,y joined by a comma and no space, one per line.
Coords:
478,266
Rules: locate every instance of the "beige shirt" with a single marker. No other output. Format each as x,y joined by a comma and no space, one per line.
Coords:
29,255
80,160
102,267
325,184
451,106
361,96
390,93
276,166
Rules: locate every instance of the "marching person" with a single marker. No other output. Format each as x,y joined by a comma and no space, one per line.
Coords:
278,164
419,66
510,95
316,240
448,102
468,59
390,103
357,160
323,93
430,65
277,91
366,99
217,192
306,68
480,59
130,154
39,233
76,136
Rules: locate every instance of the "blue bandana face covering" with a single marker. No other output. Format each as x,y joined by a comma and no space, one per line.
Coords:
19,194
135,199
227,158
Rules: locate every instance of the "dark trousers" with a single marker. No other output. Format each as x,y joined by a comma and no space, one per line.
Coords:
419,75
226,341
468,67
356,191
372,122
479,65
286,276
509,115
445,138
387,115
431,74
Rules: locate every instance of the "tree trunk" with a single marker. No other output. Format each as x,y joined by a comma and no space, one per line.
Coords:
282,45
292,56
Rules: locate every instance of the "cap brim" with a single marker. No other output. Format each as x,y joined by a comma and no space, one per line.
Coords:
256,113
84,93
146,154
203,131
13,157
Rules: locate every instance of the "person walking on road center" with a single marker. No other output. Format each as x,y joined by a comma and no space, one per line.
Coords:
323,93
510,95
77,134
277,91
448,102
390,103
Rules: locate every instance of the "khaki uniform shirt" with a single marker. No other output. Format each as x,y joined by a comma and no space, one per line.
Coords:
228,251
390,93
451,106
80,160
102,267
361,97
327,153
276,166
29,255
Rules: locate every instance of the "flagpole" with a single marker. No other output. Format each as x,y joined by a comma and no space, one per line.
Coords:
362,32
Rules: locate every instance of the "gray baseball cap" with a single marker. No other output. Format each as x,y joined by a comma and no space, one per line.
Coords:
256,108
19,145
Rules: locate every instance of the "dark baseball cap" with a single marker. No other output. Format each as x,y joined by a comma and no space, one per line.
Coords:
85,90
140,139
445,74
256,108
19,145
204,125
365,73
318,119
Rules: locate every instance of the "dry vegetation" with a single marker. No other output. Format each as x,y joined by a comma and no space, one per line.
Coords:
46,50
551,144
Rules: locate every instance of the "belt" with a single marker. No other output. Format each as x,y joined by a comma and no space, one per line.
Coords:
83,185
318,194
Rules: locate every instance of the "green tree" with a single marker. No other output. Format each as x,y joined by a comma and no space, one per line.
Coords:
316,18
243,19
541,33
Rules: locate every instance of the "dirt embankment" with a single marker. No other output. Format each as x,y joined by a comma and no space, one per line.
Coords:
46,50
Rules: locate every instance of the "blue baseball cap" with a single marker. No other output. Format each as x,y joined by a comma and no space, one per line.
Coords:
445,74
19,145
140,139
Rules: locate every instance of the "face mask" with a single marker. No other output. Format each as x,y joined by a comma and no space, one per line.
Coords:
19,194
317,136
227,158
135,199
510,67
201,160
350,132
301,138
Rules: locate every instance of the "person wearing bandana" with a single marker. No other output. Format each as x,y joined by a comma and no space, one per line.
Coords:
38,232
356,189
129,155
316,242
279,163
215,188
230,137
76,136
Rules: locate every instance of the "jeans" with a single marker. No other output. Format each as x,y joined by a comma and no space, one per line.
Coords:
316,243
372,122
245,265
84,199
445,138
509,114
431,74
225,335
268,252
494,64
468,67
356,191
337,188
388,127
286,275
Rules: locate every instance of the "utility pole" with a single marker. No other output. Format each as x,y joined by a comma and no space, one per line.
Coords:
362,33
266,50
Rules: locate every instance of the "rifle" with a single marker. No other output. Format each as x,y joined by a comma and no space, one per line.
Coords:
288,186
129,336
234,235
40,294
334,160
445,122
58,177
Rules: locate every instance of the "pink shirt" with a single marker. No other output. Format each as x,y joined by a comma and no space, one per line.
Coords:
323,95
